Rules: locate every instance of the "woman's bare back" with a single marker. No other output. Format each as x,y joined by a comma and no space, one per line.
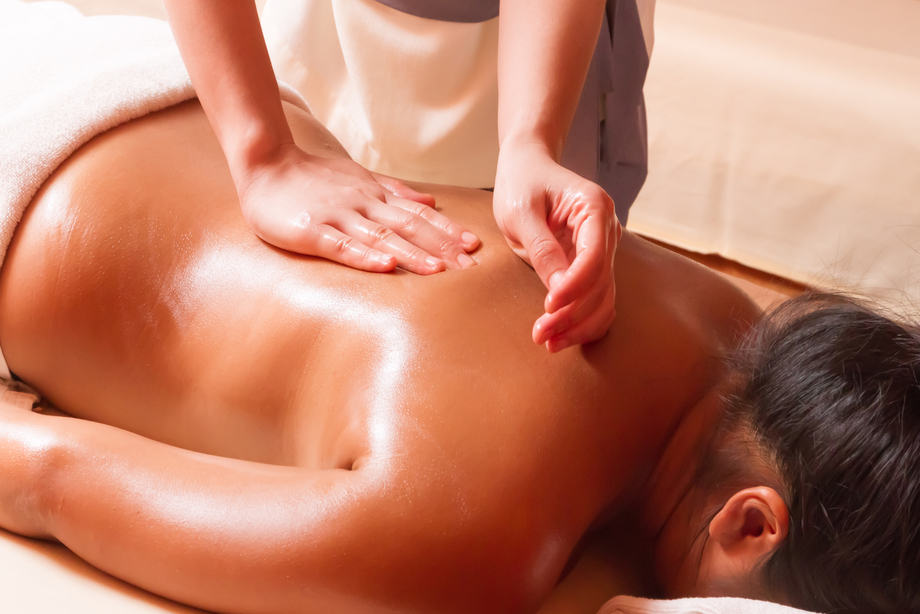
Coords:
134,295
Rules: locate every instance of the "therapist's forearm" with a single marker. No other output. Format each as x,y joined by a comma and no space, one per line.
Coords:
545,48
223,48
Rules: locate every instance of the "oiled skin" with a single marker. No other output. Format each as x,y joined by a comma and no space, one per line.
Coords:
134,295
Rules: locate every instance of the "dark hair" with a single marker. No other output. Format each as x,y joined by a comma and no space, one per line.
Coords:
831,393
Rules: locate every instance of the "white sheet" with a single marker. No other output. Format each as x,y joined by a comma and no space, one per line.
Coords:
786,135
711,605
43,578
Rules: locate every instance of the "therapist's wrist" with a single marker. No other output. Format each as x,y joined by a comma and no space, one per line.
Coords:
524,153
251,150
532,141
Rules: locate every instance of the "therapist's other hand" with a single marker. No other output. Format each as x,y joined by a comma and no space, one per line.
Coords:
565,227
335,209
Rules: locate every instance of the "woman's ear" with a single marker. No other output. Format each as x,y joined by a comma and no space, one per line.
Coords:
749,527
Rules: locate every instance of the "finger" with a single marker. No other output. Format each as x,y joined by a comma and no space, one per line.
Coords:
590,267
410,222
592,328
465,238
547,325
559,322
332,244
383,238
398,188
325,241
543,250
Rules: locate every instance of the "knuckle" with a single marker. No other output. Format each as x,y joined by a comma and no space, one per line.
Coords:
447,227
607,204
343,245
447,246
303,221
597,199
541,248
417,255
598,193
381,234
410,222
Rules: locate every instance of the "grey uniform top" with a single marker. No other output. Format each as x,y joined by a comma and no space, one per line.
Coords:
607,141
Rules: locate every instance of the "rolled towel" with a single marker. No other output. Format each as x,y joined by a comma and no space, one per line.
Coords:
696,605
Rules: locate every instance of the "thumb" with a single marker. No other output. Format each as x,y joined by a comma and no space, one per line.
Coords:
545,253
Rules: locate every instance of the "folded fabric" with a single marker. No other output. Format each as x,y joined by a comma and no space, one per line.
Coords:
696,605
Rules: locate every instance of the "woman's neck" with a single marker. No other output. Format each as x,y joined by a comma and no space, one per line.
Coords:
684,456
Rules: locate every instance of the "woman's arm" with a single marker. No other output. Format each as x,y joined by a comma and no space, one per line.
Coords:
218,533
237,536
561,223
301,202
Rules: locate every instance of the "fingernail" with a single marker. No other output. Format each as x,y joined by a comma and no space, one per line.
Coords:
537,334
469,238
385,259
434,263
465,261
555,279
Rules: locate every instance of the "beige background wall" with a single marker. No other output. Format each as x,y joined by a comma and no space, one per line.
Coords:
785,135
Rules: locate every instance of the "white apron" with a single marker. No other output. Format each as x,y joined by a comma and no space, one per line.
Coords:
407,96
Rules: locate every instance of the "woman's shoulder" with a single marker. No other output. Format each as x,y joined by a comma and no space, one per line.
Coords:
716,306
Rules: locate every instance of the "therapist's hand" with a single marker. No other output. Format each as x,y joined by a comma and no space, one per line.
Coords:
565,227
335,209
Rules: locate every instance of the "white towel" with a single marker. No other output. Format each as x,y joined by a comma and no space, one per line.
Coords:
64,78
696,605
